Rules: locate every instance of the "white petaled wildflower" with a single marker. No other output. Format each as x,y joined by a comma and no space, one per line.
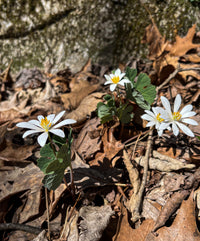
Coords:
117,78
154,118
45,124
176,117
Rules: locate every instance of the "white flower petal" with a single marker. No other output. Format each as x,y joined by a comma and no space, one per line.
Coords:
190,121
164,126
186,109
185,129
157,125
40,117
42,138
175,128
28,125
188,114
108,82
117,72
64,122
148,117
151,123
160,132
58,117
123,81
177,103
155,111
57,132
27,133
150,113
166,104
51,117
35,122
160,110
121,75
107,77
112,87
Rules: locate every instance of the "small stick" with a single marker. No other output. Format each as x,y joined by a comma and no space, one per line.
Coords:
138,201
134,137
173,74
47,207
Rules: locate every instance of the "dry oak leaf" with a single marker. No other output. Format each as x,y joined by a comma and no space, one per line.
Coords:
183,45
169,56
157,43
184,226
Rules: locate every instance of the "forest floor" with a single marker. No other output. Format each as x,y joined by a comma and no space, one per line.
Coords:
129,185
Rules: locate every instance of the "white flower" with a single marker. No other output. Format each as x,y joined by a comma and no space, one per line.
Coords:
45,124
176,117
115,79
154,118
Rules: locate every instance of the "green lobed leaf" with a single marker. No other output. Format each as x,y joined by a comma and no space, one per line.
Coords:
59,140
47,151
141,102
53,180
47,156
125,113
105,113
43,163
107,97
144,86
131,74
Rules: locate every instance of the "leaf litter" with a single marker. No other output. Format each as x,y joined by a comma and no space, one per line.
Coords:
107,178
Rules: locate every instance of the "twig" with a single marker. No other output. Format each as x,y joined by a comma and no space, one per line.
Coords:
22,227
135,201
173,74
134,137
47,207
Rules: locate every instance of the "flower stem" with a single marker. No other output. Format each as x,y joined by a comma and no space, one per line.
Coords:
52,146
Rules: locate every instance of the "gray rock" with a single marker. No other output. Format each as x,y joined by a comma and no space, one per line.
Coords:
56,34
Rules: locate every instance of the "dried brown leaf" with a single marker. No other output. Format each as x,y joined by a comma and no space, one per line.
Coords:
87,105
80,91
84,144
184,226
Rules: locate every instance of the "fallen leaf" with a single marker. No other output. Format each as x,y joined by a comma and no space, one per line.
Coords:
110,149
93,221
84,144
86,107
169,56
81,90
27,180
127,233
184,226
14,154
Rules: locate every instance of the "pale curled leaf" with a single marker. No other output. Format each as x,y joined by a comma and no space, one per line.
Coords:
164,166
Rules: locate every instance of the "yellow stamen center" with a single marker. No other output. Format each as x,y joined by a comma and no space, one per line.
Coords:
115,79
176,116
45,124
159,118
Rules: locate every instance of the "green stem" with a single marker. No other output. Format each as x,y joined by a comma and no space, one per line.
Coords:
52,145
